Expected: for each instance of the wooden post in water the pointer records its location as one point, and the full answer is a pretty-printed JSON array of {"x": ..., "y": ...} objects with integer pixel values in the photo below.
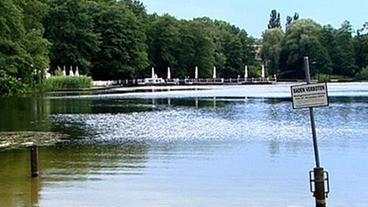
[{"x": 34, "y": 160}]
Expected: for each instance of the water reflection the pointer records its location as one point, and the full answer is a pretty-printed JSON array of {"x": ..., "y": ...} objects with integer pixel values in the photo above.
[
  {"x": 24, "y": 113},
  {"x": 89, "y": 162},
  {"x": 17, "y": 187},
  {"x": 172, "y": 149},
  {"x": 65, "y": 165},
  {"x": 215, "y": 118},
  {"x": 174, "y": 119}
]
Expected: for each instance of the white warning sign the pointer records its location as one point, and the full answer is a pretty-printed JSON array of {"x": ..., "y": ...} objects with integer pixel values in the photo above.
[{"x": 309, "y": 95}]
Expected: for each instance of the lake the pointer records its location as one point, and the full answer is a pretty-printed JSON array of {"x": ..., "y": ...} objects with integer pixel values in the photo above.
[{"x": 186, "y": 146}]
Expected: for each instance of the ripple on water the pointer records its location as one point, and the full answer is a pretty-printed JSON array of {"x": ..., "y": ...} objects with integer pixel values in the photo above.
[{"x": 240, "y": 121}]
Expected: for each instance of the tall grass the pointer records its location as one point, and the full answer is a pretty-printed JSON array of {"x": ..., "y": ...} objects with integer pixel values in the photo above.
[{"x": 67, "y": 83}]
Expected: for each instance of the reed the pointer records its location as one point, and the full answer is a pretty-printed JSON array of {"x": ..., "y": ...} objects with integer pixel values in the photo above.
[{"x": 67, "y": 83}]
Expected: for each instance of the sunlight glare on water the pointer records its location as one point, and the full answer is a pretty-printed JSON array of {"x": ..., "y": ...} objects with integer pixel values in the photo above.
[{"x": 217, "y": 146}]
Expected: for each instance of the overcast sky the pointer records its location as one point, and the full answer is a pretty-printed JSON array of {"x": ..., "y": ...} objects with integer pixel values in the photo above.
[{"x": 253, "y": 15}]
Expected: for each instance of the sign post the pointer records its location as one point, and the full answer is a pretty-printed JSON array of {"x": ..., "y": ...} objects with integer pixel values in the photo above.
[{"x": 309, "y": 96}]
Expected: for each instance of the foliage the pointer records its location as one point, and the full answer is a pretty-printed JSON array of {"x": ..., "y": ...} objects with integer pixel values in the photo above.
[
  {"x": 232, "y": 47},
  {"x": 163, "y": 42},
  {"x": 118, "y": 39},
  {"x": 10, "y": 85},
  {"x": 361, "y": 48},
  {"x": 66, "y": 83},
  {"x": 274, "y": 20},
  {"x": 70, "y": 27},
  {"x": 362, "y": 75},
  {"x": 323, "y": 77},
  {"x": 290, "y": 19},
  {"x": 203, "y": 42},
  {"x": 255, "y": 71},
  {"x": 23, "y": 50},
  {"x": 122, "y": 52},
  {"x": 303, "y": 39},
  {"x": 271, "y": 48},
  {"x": 344, "y": 54}
]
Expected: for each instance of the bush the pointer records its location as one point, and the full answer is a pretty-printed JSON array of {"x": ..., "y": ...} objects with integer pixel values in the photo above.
[
  {"x": 67, "y": 83},
  {"x": 362, "y": 75},
  {"x": 323, "y": 77},
  {"x": 254, "y": 71},
  {"x": 10, "y": 85}
]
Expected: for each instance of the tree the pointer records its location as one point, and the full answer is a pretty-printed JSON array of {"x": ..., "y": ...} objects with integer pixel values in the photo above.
[
  {"x": 233, "y": 51},
  {"x": 163, "y": 40},
  {"x": 271, "y": 48},
  {"x": 122, "y": 53},
  {"x": 23, "y": 50},
  {"x": 204, "y": 51},
  {"x": 195, "y": 48},
  {"x": 344, "y": 56},
  {"x": 296, "y": 16},
  {"x": 233, "y": 47},
  {"x": 274, "y": 20},
  {"x": 303, "y": 39},
  {"x": 70, "y": 28},
  {"x": 328, "y": 41},
  {"x": 361, "y": 47},
  {"x": 37, "y": 47},
  {"x": 13, "y": 57},
  {"x": 290, "y": 19},
  {"x": 248, "y": 51}
]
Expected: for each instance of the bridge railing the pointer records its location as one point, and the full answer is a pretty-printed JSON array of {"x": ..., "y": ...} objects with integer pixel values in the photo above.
[{"x": 186, "y": 81}]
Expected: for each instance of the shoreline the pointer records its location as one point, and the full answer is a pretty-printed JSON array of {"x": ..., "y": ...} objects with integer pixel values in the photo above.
[{"x": 279, "y": 90}]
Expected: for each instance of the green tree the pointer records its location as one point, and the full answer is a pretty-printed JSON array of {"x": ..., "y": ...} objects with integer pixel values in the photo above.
[
  {"x": 163, "y": 40},
  {"x": 232, "y": 49},
  {"x": 290, "y": 19},
  {"x": 344, "y": 56},
  {"x": 248, "y": 51},
  {"x": 303, "y": 39},
  {"x": 271, "y": 48},
  {"x": 23, "y": 50},
  {"x": 195, "y": 48},
  {"x": 13, "y": 56},
  {"x": 122, "y": 53},
  {"x": 274, "y": 20},
  {"x": 70, "y": 28},
  {"x": 361, "y": 50},
  {"x": 204, "y": 52},
  {"x": 37, "y": 47},
  {"x": 328, "y": 40}
]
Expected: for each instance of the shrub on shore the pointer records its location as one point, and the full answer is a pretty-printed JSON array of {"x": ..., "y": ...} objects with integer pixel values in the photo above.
[
  {"x": 67, "y": 83},
  {"x": 362, "y": 75},
  {"x": 10, "y": 85}
]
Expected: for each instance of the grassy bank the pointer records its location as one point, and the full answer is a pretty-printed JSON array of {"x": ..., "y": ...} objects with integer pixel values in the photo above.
[{"x": 58, "y": 83}]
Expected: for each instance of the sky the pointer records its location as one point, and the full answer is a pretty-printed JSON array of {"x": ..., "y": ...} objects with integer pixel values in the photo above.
[{"x": 253, "y": 16}]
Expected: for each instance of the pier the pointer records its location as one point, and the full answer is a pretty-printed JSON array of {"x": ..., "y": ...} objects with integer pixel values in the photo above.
[{"x": 188, "y": 81}]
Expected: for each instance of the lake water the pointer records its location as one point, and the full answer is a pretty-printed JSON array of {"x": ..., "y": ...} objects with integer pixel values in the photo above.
[{"x": 198, "y": 147}]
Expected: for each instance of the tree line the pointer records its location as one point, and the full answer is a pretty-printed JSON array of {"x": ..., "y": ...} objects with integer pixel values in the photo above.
[
  {"x": 111, "y": 39},
  {"x": 332, "y": 51}
]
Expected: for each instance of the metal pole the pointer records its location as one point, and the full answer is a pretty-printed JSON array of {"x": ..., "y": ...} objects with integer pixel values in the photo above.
[
  {"x": 319, "y": 180},
  {"x": 311, "y": 112},
  {"x": 34, "y": 160}
]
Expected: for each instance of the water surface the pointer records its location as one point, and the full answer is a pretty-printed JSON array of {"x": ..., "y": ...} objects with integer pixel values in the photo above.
[{"x": 178, "y": 148}]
